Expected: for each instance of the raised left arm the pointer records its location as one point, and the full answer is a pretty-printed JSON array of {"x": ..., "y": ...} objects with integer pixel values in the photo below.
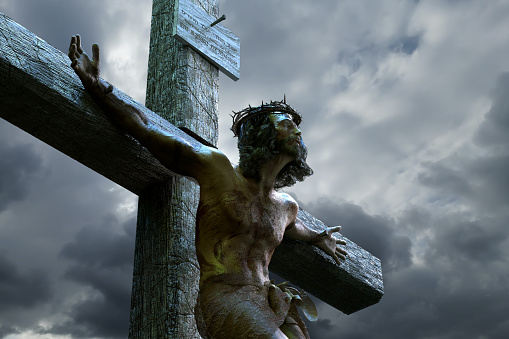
[{"x": 324, "y": 240}]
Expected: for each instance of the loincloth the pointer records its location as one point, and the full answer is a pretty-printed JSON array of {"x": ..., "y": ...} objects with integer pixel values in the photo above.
[{"x": 231, "y": 307}]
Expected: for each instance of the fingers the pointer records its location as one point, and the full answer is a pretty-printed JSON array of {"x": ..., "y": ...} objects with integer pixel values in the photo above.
[
  {"x": 335, "y": 229},
  {"x": 72, "y": 48},
  {"x": 335, "y": 257},
  {"x": 341, "y": 256},
  {"x": 96, "y": 54},
  {"x": 329, "y": 230},
  {"x": 340, "y": 242},
  {"x": 342, "y": 252},
  {"x": 78, "y": 43}
]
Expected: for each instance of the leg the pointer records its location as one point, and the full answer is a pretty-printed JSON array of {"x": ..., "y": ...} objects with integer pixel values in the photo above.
[
  {"x": 293, "y": 326},
  {"x": 233, "y": 312},
  {"x": 291, "y": 331}
]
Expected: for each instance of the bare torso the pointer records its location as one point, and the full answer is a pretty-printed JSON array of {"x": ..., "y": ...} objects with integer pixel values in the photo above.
[{"x": 238, "y": 227}]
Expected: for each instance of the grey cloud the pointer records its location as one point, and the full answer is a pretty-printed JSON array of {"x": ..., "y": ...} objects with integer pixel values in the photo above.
[
  {"x": 321, "y": 328},
  {"x": 444, "y": 178},
  {"x": 374, "y": 233},
  {"x": 102, "y": 259},
  {"x": 480, "y": 178},
  {"x": 426, "y": 302},
  {"x": 492, "y": 179},
  {"x": 77, "y": 19},
  {"x": 493, "y": 132},
  {"x": 406, "y": 44},
  {"x": 20, "y": 166},
  {"x": 464, "y": 240},
  {"x": 459, "y": 291},
  {"x": 21, "y": 289},
  {"x": 105, "y": 315},
  {"x": 458, "y": 288},
  {"x": 98, "y": 245},
  {"x": 482, "y": 181},
  {"x": 7, "y": 330}
]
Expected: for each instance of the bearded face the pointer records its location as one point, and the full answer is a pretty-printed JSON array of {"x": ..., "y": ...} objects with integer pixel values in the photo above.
[
  {"x": 288, "y": 136},
  {"x": 267, "y": 136},
  {"x": 293, "y": 146}
]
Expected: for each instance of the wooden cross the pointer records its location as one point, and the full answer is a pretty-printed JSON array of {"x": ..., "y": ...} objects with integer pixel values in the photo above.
[{"x": 40, "y": 94}]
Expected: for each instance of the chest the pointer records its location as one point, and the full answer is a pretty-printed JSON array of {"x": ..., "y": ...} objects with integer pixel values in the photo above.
[{"x": 258, "y": 217}]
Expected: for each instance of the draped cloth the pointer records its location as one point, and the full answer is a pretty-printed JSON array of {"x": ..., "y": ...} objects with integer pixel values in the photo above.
[{"x": 228, "y": 306}]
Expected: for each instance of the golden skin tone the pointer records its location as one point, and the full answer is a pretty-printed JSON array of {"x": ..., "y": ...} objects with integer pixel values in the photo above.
[{"x": 240, "y": 221}]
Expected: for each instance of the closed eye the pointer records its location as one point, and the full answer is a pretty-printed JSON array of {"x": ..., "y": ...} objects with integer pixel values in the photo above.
[{"x": 288, "y": 123}]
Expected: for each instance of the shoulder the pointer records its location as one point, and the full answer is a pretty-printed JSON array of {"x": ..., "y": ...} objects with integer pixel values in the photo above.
[
  {"x": 215, "y": 167},
  {"x": 287, "y": 198},
  {"x": 289, "y": 203},
  {"x": 185, "y": 156}
]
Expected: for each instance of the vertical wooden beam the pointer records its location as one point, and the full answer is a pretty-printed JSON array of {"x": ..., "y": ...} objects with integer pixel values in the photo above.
[{"x": 183, "y": 88}]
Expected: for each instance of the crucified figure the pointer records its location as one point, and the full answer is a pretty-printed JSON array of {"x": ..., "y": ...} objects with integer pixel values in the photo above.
[{"x": 241, "y": 216}]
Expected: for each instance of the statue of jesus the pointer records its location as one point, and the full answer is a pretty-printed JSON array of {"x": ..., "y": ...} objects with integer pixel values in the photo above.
[{"x": 241, "y": 217}]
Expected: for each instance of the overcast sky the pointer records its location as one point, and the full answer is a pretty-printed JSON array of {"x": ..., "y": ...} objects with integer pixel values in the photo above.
[{"x": 406, "y": 116}]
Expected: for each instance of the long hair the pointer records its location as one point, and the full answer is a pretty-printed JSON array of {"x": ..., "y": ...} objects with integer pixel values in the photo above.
[{"x": 257, "y": 145}]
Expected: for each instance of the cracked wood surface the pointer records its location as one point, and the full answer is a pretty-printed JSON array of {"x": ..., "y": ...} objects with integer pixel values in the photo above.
[{"x": 183, "y": 88}]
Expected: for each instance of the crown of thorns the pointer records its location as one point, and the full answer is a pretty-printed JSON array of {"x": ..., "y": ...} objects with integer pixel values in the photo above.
[{"x": 274, "y": 107}]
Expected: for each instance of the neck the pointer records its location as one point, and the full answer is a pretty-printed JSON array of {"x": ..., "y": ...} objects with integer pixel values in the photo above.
[{"x": 269, "y": 171}]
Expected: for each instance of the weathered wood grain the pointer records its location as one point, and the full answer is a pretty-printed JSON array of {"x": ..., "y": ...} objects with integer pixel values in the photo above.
[
  {"x": 183, "y": 88},
  {"x": 217, "y": 44}
]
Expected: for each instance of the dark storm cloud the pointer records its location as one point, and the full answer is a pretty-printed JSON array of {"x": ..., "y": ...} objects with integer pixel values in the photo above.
[
  {"x": 20, "y": 166},
  {"x": 78, "y": 18},
  {"x": 479, "y": 178},
  {"x": 424, "y": 303},
  {"x": 456, "y": 283},
  {"x": 6, "y": 330},
  {"x": 102, "y": 259},
  {"x": 374, "y": 233},
  {"x": 451, "y": 280},
  {"x": 445, "y": 262},
  {"x": 479, "y": 181},
  {"x": 21, "y": 289},
  {"x": 98, "y": 246},
  {"x": 460, "y": 291},
  {"x": 320, "y": 328}
]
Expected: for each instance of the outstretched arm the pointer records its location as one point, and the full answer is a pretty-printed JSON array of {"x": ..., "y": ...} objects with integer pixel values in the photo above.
[
  {"x": 125, "y": 116},
  {"x": 324, "y": 240},
  {"x": 173, "y": 152}
]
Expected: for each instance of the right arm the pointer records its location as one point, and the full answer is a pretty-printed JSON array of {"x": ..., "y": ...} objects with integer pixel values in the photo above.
[{"x": 173, "y": 152}]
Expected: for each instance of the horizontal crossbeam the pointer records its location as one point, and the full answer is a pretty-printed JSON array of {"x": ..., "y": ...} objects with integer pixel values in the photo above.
[{"x": 40, "y": 94}]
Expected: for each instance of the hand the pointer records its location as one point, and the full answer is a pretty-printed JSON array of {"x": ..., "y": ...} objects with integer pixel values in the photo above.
[
  {"x": 329, "y": 244},
  {"x": 87, "y": 70}
]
